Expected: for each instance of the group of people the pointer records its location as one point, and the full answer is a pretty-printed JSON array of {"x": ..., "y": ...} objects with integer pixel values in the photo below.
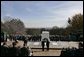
[
  {"x": 34, "y": 38},
  {"x": 45, "y": 42},
  {"x": 72, "y": 52},
  {"x": 14, "y": 50}
]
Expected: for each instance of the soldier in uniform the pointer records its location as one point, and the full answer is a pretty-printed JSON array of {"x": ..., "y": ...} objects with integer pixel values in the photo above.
[
  {"x": 47, "y": 43},
  {"x": 42, "y": 45}
]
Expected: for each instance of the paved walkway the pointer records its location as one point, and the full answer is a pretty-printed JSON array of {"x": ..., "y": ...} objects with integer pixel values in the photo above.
[{"x": 39, "y": 52}]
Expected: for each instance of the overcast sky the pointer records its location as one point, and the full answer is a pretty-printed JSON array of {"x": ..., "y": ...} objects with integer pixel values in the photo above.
[{"x": 38, "y": 14}]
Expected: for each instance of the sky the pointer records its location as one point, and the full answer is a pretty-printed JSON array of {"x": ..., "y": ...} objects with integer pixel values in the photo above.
[{"x": 41, "y": 14}]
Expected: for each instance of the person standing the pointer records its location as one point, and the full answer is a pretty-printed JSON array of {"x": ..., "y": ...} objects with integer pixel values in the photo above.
[
  {"x": 42, "y": 45},
  {"x": 25, "y": 41},
  {"x": 47, "y": 43},
  {"x": 24, "y": 51}
]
